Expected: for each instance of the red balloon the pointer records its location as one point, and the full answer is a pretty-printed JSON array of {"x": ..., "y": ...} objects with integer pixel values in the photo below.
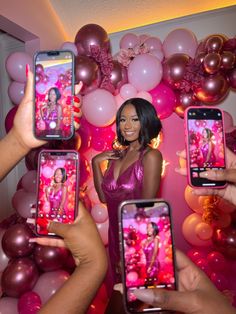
[
  {"x": 19, "y": 277},
  {"x": 231, "y": 76},
  {"x": 10, "y": 118},
  {"x": 224, "y": 240},
  {"x": 49, "y": 258},
  {"x": 27, "y": 300},
  {"x": 212, "y": 62},
  {"x": 15, "y": 241},
  {"x": 216, "y": 261},
  {"x": 212, "y": 89},
  {"x": 227, "y": 60},
  {"x": 91, "y": 35}
]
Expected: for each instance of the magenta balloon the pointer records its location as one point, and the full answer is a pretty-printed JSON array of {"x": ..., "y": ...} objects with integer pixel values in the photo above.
[
  {"x": 128, "y": 91},
  {"x": 180, "y": 40},
  {"x": 99, "y": 107},
  {"x": 8, "y": 305},
  {"x": 153, "y": 43},
  {"x": 91, "y": 35},
  {"x": 19, "y": 277},
  {"x": 48, "y": 284},
  {"x": 10, "y": 118},
  {"x": 16, "y": 64},
  {"x": 224, "y": 240},
  {"x": 216, "y": 261},
  {"x": 23, "y": 201},
  {"x": 29, "y": 181},
  {"x": 99, "y": 213},
  {"x": 69, "y": 46},
  {"x": 28, "y": 299},
  {"x": 164, "y": 100},
  {"x": 4, "y": 259},
  {"x": 129, "y": 40},
  {"x": 15, "y": 241},
  {"x": 16, "y": 91},
  {"x": 49, "y": 258},
  {"x": 144, "y": 72}
]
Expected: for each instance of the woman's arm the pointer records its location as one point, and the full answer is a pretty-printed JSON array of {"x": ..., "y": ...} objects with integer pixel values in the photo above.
[
  {"x": 59, "y": 115},
  {"x": 209, "y": 151},
  {"x": 155, "y": 251},
  {"x": 63, "y": 199},
  {"x": 152, "y": 162}
]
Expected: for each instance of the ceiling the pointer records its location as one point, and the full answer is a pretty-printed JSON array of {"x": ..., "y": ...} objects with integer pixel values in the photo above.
[{"x": 115, "y": 16}]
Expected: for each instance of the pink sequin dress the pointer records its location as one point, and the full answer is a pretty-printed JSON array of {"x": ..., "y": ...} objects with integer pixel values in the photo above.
[
  {"x": 55, "y": 199},
  {"x": 51, "y": 119},
  {"x": 148, "y": 251},
  {"x": 127, "y": 186},
  {"x": 205, "y": 150}
]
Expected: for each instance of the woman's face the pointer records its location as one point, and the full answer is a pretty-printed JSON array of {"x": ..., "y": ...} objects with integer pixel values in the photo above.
[
  {"x": 150, "y": 229},
  {"x": 205, "y": 134},
  {"x": 58, "y": 176},
  {"x": 52, "y": 96},
  {"x": 129, "y": 123}
]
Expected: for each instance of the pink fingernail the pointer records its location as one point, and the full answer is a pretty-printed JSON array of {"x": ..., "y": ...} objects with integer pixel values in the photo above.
[{"x": 27, "y": 68}]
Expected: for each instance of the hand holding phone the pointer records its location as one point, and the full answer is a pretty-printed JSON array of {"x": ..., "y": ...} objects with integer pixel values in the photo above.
[
  {"x": 57, "y": 188},
  {"x": 147, "y": 250},
  {"x": 54, "y": 88},
  {"x": 205, "y": 144}
]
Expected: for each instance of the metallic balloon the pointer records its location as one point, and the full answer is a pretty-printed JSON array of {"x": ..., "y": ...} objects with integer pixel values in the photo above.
[
  {"x": 224, "y": 240},
  {"x": 212, "y": 62},
  {"x": 227, "y": 60}
]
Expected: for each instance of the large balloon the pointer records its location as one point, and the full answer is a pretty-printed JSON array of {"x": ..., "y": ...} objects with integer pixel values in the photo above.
[
  {"x": 10, "y": 118},
  {"x": 145, "y": 72},
  {"x": 86, "y": 70},
  {"x": 29, "y": 303},
  {"x": 129, "y": 40},
  {"x": 15, "y": 241},
  {"x": 29, "y": 181},
  {"x": 16, "y": 65},
  {"x": 48, "y": 284},
  {"x": 99, "y": 107},
  {"x": 19, "y": 277},
  {"x": 3, "y": 257},
  {"x": 180, "y": 40},
  {"x": 8, "y": 306},
  {"x": 212, "y": 62},
  {"x": 231, "y": 75},
  {"x": 91, "y": 35},
  {"x": 16, "y": 92},
  {"x": 23, "y": 201}
]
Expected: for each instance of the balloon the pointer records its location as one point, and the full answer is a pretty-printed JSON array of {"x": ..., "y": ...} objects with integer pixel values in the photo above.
[
  {"x": 16, "y": 91},
  {"x": 144, "y": 72},
  {"x": 129, "y": 40},
  {"x": 31, "y": 159},
  {"x": 8, "y": 305},
  {"x": 132, "y": 276},
  {"x": 174, "y": 69},
  {"x": 217, "y": 261},
  {"x": 153, "y": 43},
  {"x": 99, "y": 107},
  {"x": 143, "y": 37},
  {"x": 103, "y": 231},
  {"x": 145, "y": 95},
  {"x": 193, "y": 200},
  {"x": 10, "y": 118},
  {"x": 116, "y": 73},
  {"x": 23, "y": 201},
  {"x": 29, "y": 181},
  {"x": 19, "y": 277},
  {"x": 219, "y": 281},
  {"x": 163, "y": 99},
  {"x": 231, "y": 75},
  {"x": 15, "y": 241},
  {"x": 227, "y": 60},
  {"x": 185, "y": 100},
  {"x": 16, "y": 65},
  {"x": 124, "y": 79},
  {"x": 3, "y": 257},
  {"x": 86, "y": 70},
  {"x": 158, "y": 54},
  {"x": 224, "y": 240},
  {"x": 48, "y": 283},
  {"x": 84, "y": 170},
  {"x": 180, "y": 40},
  {"x": 212, "y": 62},
  {"x": 128, "y": 91},
  {"x": 203, "y": 265},
  {"x": 214, "y": 43},
  {"x": 196, "y": 254},
  {"x": 69, "y": 46},
  {"x": 228, "y": 120},
  {"x": 225, "y": 206},
  {"x": 99, "y": 213},
  {"x": 204, "y": 231},
  {"x": 91, "y": 35},
  {"x": 49, "y": 258},
  {"x": 27, "y": 301},
  {"x": 212, "y": 89}
]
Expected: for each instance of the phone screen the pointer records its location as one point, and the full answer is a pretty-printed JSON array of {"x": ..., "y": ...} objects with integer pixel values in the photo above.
[
  {"x": 57, "y": 188},
  {"x": 147, "y": 250},
  {"x": 205, "y": 144},
  {"x": 53, "y": 90}
]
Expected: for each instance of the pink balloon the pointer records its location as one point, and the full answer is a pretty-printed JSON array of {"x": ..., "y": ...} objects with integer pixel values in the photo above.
[
  {"x": 3, "y": 257},
  {"x": 180, "y": 40},
  {"x": 132, "y": 276},
  {"x": 164, "y": 100},
  {"x": 145, "y": 72},
  {"x": 93, "y": 196},
  {"x": 228, "y": 120},
  {"x": 99, "y": 213},
  {"x": 128, "y": 91},
  {"x": 129, "y": 40},
  {"x": 143, "y": 37},
  {"x": 119, "y": 100},
  {"x": 103, "y": 231},
  {"x": 10, "y": 118},
  {"x": 23, "y": 201},
  {"x": 99, "y": 107},
  {"x": 217, "y": 261},
  {"x": 47, "y": 172},
  {"x": 8, "y": 305},
  {"x": 48, "y": 283},
  {"x": 145, "y": 95},
  {"x": 16, "y": 91},
  {"x": 29, "y": 181},
  {"x": 69, "y": 46},
  {"x": 153, "y": 43},
  {"x": 159, "y": 54},
  {"x": 16, "y": 64}
]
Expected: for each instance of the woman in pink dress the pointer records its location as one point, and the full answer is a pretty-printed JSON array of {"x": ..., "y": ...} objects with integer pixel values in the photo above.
[
  {"x": 207, "y": 148},
  {"x": 133, "y": 173}
]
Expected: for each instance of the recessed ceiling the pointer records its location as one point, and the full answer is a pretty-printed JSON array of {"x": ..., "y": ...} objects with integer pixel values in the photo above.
[{"x": 115, "y": 16}]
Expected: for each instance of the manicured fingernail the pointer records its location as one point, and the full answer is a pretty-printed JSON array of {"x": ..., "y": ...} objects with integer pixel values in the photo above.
[
  {"x": 76, "y": 109},
  {"x": 77, "y": 119},
  {"x": 76, "y": 99},
  {"x": 27, "y": 68},
  {"x": 145, "y": 295}
]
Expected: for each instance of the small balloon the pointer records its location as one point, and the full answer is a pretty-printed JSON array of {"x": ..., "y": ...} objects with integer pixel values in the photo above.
[
  {"x": 10, "y": 118},
  {"x": 16, "y": 64},
  {"x": 16, "y": 92}
]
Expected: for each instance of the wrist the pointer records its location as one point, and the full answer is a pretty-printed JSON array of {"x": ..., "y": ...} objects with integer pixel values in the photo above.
[{"x": 14, "y": 140}]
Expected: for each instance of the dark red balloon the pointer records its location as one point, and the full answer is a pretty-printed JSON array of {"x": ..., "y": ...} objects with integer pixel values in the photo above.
[
  {"x": 212, "y": 62},
  {"x": 116, "y": 73},
  {"x": 183, "y": 101},
  {"x": 214, "y": 43},
  {"x": 199, "y": 58},
  {"x": 224, "y": 240},
  {"x": 49, "y": 258},
  {"x": 231, "y": 76},
  {"x": 27, "y": 300},
  {"x": 10, "y": 118},
  {"x": 212, "y": 89},
  {"x": 227, "y": 60},
  {"x": 86, "y": 70},
  {"x": 91, "y": 35},
  {"x": 174, "y": 69},
  {"x": 19, "y": 277},
  {"x": 15, "y": 242}
]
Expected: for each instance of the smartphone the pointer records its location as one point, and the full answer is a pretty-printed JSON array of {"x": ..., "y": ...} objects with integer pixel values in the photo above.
[
  {"x": 53, "y": 91},
  {"x": 147, "y": 250},
  {"x": 205, "y": 144},
  {"x": 57, "y": 197}
]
